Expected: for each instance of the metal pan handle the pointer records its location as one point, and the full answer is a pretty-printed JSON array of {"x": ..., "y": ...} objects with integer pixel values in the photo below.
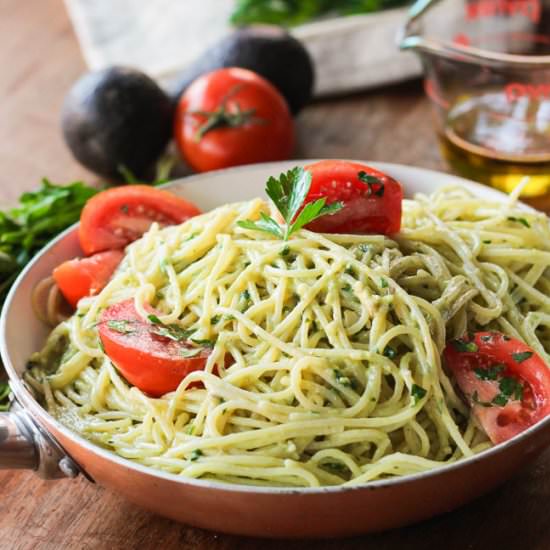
[{"x": 23, "y": 445}]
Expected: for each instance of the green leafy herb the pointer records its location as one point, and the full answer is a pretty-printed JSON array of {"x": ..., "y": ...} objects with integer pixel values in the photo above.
[
  {"x": 39, "y": 217},
  {"x": 215, "y": 320},
  {"x": 490, "y": 373},
  {"x": 288, "y": 194},
  {"x": 196, "y": 454},
  {"x": 417, "y": 392},
  {"x": 487, "y": 241},
  {"x": 510, "y": 386},
  {"x": 383, "y": 283},
  {"x": 172, "y": 331},
  {"x": 522, "y": 356},
  {"x": 285, "y": 251},
  {"x": 4, "y": 396},
  {"x": 375, "y": 185},
  {"x": 341, "y": 378},
  {"x": 124, "y": 327},
  {"x": 462, "y": 346},
  {"x": 523, "y": 221},
  {"x": 205, "y": 343}
]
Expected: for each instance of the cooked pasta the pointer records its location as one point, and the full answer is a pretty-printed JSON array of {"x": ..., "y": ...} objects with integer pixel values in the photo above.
[{"x": 326, "y": 360}]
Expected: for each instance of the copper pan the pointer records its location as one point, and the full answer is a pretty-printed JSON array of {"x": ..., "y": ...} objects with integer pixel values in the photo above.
[{"x": 30, "y": 438}]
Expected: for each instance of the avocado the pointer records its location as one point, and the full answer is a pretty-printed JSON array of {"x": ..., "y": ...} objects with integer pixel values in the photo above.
[
  {"x": 269, "y": 51},
  {"x": 116, "y": 119}
]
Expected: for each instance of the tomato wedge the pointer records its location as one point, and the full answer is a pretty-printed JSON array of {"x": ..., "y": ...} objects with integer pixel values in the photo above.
[
  {"x": 372, "y": 200},
  {"x": 115, "y": 217},
  {"x": 86, "y": 276},
  {"x": 505, "y": 382},
  {"x": 151, "y": 356}
]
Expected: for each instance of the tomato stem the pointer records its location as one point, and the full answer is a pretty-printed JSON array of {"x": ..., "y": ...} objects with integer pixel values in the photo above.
[{"x": 222, "y": 117}]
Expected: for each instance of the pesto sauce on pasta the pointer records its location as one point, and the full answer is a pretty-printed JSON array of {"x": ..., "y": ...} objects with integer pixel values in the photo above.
[{"x": 335, "y": 343}]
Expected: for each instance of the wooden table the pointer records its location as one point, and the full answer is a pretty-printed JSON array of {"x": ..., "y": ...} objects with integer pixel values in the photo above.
[{"x": 39, "y": 58}]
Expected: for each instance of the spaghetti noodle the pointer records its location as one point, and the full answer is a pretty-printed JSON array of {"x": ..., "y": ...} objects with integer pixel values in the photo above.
[{"x": 334, "y": 342}]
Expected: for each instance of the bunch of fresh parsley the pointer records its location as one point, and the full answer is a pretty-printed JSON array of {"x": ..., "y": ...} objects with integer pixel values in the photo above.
[
  {"x": 25, "y": 229},
  {"x": 39, "y": 217},
  {"x": 296, "y": 12},
  {"x": 288, "y": 194}
]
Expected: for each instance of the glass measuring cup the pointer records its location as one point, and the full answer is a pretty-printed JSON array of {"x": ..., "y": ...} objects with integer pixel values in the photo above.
[{"x": 487, "y": 72}]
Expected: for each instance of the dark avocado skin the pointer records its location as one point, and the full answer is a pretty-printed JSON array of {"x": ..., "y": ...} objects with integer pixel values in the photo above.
[
  {"x": 117, "y": 116},
  {"x": 267, "y": 50}
]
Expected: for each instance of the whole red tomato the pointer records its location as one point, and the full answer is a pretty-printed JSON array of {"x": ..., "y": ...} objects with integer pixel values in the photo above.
[{"x": 230, "y": 117}]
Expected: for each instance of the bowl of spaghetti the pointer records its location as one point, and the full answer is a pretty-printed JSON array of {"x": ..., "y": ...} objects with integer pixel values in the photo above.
[{"x": 332, "y": 384}]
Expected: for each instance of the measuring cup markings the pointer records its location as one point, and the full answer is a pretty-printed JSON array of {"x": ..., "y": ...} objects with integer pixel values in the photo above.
[
  {"x": 516, "y": 90},
  {"x": 491, "y": 8}
]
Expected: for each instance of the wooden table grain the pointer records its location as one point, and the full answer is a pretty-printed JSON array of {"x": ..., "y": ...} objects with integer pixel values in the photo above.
[{"x": 39, "y": 59}]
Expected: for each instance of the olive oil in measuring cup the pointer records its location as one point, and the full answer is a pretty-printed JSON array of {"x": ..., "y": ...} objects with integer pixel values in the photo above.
[{"x": 499, "y": 136}]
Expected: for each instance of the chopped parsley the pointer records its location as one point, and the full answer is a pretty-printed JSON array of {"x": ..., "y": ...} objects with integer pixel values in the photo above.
[
  {"x": 341, "y": 378},
  {"x": 490, "y": 373},
  {"x": 418, "y": 392},
  {"x": 522, "y": 356},
  {"x": 123, "y": 326},
  {"x": 171, "y": 331},
  {"x": 285, "y": 251},
  {"x": 215, "y": 320},
  {"x": 462, "y": 346},
  {"x": 196, "y": 454},
  {"x": 375, "y": 185},
  {"x": 523, "y": 221},
  {"x": 335, "y": 467},
  {"x": 383, "y": 283},
  {"x": 205, "y": 343}
]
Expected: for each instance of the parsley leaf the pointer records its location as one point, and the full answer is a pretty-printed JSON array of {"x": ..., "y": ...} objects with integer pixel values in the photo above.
[
  {"x": 376, "y": 185},
  {"x": 417, "y": 392},
  {"x": 171, "y": 331},
  {"x": 521, "y": 356},
  {"x": 196, "y": 454},
  {"x": 462, "y": 346},
  {"x": 205, "y": 343},
  {"x": 123, "y": 326},
  {"x": 288, "y": 194},
  {"x": 523, "y": 221},
  {"x": 490, "y": 373}
]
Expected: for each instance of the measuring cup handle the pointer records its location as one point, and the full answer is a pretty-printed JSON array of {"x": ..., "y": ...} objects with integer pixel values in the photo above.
[{"x": 24, "y": 446}]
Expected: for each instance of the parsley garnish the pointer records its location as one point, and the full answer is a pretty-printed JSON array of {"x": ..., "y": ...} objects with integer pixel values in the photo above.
[
  {"x": 383, "y": 283},
  {"x": 214, "y": 320},
  {"x": 341, "y": 378},
  {"x": 196, "y": 454},
  {"x": 418, "y": 392},
  {"x": 462, "y": 346},
  {"x": 205, "y": 343},
  {"x": 490, "y": 373},
  {"x": 285, "y": 251},
  {"x": 171, "y": 331},
  {"x": 124, "y": 327},
  {"x": 521, "y": 356},
  {"x": 288, "y": 193},
  {"x": 523, "y": 221},
  {"x": 376, "y": 185}
]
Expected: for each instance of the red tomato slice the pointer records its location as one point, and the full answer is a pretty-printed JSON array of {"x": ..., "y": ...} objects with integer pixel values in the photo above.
[
  {"x": 505, "y": 382},
  {"x": 153, "y": 357},
  {"x": 87, "y": 276},
  {"x": 368, "y": 208},
  {"x": 115, "y": 217}
]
